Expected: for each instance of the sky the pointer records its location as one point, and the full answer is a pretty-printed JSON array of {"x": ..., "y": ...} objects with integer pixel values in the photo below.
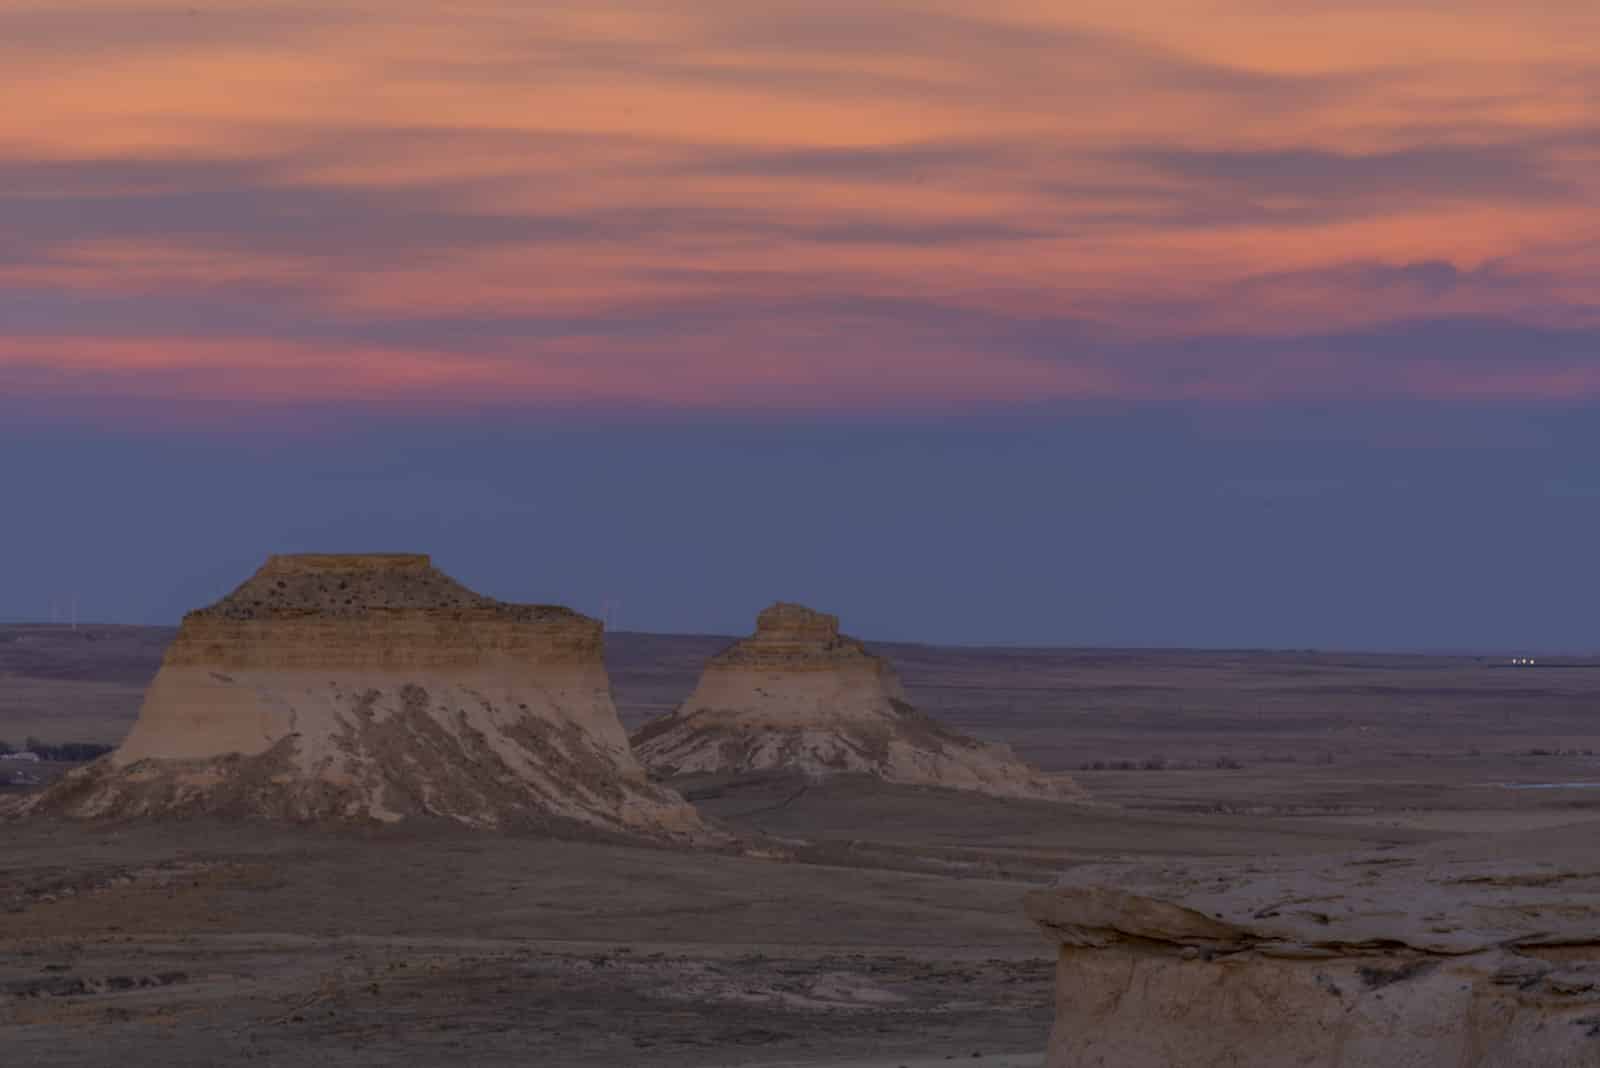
[{"x": 1189, "y": 322}]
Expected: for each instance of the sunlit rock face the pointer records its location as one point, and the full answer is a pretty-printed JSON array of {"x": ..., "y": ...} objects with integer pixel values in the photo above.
[
  {"x": 1465, "y": 958},
  {"x": 799, "y": 696},
  {"x": 375, "y": 687}
]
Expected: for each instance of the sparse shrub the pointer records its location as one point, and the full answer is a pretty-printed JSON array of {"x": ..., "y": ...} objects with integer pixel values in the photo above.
[
  {"x": 1155, "y": 764},
  {"x": 1227, "y": 763},
  {"x": 1373, "y": 978}
]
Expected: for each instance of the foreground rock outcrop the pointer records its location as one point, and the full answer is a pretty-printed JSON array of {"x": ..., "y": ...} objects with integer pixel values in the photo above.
[
  {"x": 1465, "y": 958},
  {"x": 800, "y": 696},
  {"x": 335, "y": 688}
]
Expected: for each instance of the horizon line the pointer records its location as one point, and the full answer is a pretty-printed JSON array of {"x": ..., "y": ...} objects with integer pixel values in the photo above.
[{"x": 992, "y": 646}]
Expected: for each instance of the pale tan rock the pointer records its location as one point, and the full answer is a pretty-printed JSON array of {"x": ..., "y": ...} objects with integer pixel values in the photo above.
[
  {"x": 377, "y": 688},
  {"x": 1484, "y": 955},
  {"x": 800, "y": 696}
]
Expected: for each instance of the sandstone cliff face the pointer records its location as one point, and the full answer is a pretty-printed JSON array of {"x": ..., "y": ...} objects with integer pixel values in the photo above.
[
  {"x": 1463, "y": 958},
  {"x": 800, "y": 696},
  {"x": 378, "y": 688}
]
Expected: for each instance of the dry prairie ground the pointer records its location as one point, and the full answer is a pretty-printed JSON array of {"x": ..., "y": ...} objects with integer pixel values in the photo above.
[
  {"x": 890, "y": 933},
  {"x": 64, "y": 684},
  {"x": 1061, "y": 708},
  {"x": 894, "y": 935}
]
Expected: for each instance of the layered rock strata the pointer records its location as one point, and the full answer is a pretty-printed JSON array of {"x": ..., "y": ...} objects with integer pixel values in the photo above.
[
  {"x": 800, "y": 696},
  {"x": 375, "y": 687},
  {"x": 1469, "y": 959}
]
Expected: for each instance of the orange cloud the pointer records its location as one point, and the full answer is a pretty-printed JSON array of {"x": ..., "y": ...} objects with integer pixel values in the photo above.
[{"x": 645, "y": 203}]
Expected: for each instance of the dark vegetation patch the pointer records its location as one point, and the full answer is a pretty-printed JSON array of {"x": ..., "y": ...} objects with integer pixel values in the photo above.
[
  {"x": 65, "y": 753},
  {"x": 1375, "y": 978},
  {"x": 1159, "y": 763},
  {"x": 66, "y": 986}
]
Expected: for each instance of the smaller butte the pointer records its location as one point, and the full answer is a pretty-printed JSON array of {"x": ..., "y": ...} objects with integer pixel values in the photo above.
[
  {"x": 339, "y": 688},
  {"x": 799, "y": 696}
]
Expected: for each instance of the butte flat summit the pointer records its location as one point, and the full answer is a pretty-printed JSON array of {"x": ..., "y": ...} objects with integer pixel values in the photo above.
[
  {"x": 376, "y": 688},
  {"x": 798, "y": 696}
]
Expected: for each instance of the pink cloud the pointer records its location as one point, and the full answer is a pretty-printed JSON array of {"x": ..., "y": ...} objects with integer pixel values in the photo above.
[{"x": 807, "y": 207}]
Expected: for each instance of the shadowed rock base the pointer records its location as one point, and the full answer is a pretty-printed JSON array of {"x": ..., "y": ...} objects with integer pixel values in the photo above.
[{"x": 1380, "y": 961}]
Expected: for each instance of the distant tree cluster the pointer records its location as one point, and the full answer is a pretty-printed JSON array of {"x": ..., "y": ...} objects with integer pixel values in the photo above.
[
  {"x": 1157, "y": 763},
  {"x": 65, "y": 753}
]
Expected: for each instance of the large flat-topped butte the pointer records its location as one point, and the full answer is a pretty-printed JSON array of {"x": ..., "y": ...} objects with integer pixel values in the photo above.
[
  {"x": 800, "y": 696},
  {"x": 376, "y": 687}
]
